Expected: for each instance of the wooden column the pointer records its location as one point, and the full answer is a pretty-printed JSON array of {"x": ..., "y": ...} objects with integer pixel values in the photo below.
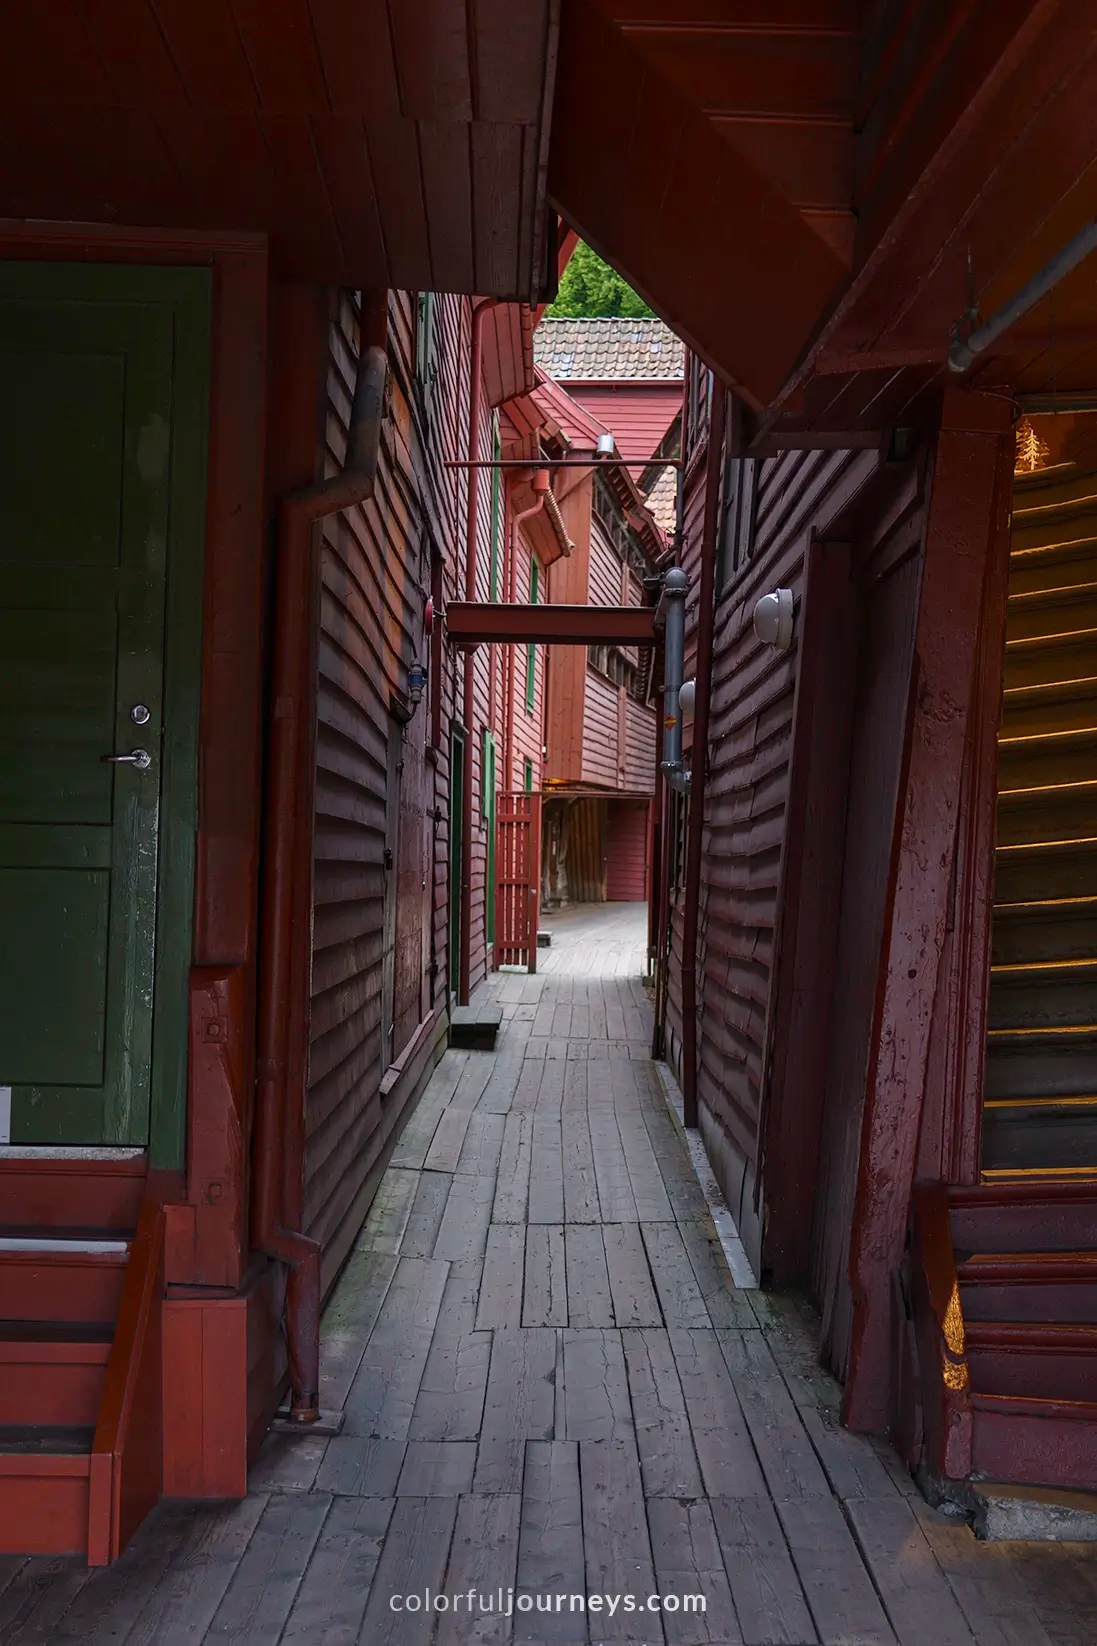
[{"x": 966, "y": 537}]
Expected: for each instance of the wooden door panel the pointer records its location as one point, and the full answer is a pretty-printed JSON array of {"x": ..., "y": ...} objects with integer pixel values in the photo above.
[{"x": 85, "y": 423}]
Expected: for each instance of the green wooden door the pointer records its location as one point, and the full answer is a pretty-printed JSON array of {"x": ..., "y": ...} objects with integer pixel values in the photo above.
[{"x": 88, "y": 375}]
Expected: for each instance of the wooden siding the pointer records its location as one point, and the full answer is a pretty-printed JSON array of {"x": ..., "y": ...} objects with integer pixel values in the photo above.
[
  {"x": 605, "y": 569},
  {"x": 638, "y": 417},
  {"x": 747, "y": 816},
  {"x": 600, "y": 732},
  {"x": 381, "y": 854},
  {"x": 640, "y": 734}
]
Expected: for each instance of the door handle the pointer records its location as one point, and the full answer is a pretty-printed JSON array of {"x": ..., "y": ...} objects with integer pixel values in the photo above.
[{"x": 141, "y": 758}]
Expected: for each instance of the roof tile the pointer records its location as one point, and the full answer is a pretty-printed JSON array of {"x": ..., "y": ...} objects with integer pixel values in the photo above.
[{"x": 604, "y": 351}]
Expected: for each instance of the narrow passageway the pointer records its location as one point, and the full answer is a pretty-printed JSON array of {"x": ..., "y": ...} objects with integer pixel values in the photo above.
[{"x": 551, "y": 1387}]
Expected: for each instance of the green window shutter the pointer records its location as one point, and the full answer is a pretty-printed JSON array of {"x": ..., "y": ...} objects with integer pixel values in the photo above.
[
  {"x": 531, "y": 651},
  {"x": 529, "y": 776}
]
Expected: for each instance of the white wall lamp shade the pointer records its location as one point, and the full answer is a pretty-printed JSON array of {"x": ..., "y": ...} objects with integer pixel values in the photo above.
[
  {"x": 687, "y": 692},
  {"x": 773, "y": 619}
]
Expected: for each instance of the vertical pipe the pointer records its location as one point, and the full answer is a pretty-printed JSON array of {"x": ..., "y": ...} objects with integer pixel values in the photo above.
[
  {"x": 468, "y": 712},
  {"x": 706, "y": 617}
]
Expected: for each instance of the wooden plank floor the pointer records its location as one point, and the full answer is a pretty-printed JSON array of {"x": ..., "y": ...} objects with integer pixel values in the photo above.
[{"x": 551, "y": 1386}]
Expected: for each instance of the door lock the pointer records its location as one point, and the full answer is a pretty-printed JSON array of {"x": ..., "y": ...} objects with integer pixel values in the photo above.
[{"x": 139, "y": 714}]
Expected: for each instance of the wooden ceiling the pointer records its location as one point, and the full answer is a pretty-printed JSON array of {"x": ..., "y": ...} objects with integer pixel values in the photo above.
[
  {"x": 397, "y": 143},
  {"x": 797, "y": 186}
]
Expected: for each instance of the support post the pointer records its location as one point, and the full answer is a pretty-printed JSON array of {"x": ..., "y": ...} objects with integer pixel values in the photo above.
[{"x": 967, "y": 531}]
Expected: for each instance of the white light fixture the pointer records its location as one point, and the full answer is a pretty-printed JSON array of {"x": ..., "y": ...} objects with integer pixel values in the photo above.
[
  {"x": 605, "y": 446},
  {"x": 687, "y": 692},
  {"x": 773, "y": 619}
]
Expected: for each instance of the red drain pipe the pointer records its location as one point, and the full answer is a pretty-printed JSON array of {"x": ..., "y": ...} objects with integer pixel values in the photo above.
[
  {"x": 540, "y": 483},
  {"x": 279, "y": 1136},
  {"x": 706, "y": 622},
  {"x": 468, "y": 712}
]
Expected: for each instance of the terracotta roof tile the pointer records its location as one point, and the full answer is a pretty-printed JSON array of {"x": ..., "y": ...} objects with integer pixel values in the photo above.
[
  {"x": 605, "y": 351},
  {"x": 662, "y": 500}
]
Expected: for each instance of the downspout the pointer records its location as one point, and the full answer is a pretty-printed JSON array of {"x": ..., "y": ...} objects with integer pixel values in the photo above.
[
  {"x": 540, "y": 483},
  {"x": 278, "y": 1138},
  {"x": 468, "y": 712},
  {"x": 706, "y": 621}
]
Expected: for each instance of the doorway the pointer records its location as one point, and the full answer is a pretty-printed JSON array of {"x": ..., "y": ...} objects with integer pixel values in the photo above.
[{"x": 102, "y": 472}]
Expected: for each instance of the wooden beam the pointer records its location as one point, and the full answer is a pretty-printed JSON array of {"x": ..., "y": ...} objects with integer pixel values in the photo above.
[
  {"x": 711, "y": 243},
  {"x": 473, "y": 622},
  {"x": 967, "y": 529}
]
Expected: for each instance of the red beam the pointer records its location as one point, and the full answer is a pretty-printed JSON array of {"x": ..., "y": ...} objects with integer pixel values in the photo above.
[{"x": 473, "y": 622}]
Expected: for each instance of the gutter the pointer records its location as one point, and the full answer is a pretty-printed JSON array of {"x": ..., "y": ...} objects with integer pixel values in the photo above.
[{"x": 278, "y": 1142}]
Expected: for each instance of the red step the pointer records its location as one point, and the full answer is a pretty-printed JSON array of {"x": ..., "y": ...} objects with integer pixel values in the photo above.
[
  {"x": 1021, "y": 1360},
  {"x": 67, "y": 1281},
  {"x": 1048, "y": 1287},
  {"x": 1030, "y": 1216},
  {"x": 45, "y": 1497},
  {"x": 52, "y": 1376},
  {"x": 1035, "y": 1442},
  {"x": 44, "y": 1192}
]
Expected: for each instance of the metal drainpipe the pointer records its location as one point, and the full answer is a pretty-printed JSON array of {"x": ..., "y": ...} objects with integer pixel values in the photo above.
[
  {"x": 278, "y": 1137},
  {"x": 540, "y": 484},
  {"x": 468, "y": 712},
  {"x": 706, "y": 617},
  {"x": 962, "y": 354}
]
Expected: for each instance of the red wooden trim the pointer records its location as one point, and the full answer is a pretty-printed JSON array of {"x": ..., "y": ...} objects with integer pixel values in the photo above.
[
  {"x": 471, "y": 622},
  {"x": 128, "y": 1433},
  {"x": 961, "y": 535},
  {"x": 207, "y": 1239},
  {"x": 950, "y": 1142},
  {"x": 14, "y": 1465},
  {"x": 940, "y": 1336}
]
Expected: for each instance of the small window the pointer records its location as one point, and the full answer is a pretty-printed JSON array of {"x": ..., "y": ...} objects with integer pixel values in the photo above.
[
  {"x": 531, "y": 651},
  {"x": 737, "y": 509},
  {"x": 698, "y": 400},
  {"x": 529, "y": 775},
  {"x": 487, "y": 773},
  {"x": 426, "y": 370}
]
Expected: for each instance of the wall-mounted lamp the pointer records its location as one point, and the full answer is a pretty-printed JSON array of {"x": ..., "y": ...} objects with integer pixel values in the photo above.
[
  {"x": 687, "y": 693},
  {"x": 773, "y": 616},
  {"x": 417, "y": 682},
  {"x": 606, "y": 445}
]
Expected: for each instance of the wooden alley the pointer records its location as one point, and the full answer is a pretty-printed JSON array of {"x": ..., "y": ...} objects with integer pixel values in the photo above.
[{"x": 550, "y": 1385}]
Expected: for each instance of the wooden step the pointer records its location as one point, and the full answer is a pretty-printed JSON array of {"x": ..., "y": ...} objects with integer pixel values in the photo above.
[
  {"x": 1045, "y": 1288},
  {"x": 45, "y": 1485},
  {"x": 1035, "y": 1442},
  {"x": 1045, "y": 1135},
  {"x": 52, "y": 1374},
  {"x": 63, "y": 1279},
  {"x": 1016, "y": 1358},
  {"x": 41, "y": 1190},
  {"x": 1024, "y": 1217}
]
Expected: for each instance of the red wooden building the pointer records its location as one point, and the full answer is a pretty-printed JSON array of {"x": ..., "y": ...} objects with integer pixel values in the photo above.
[{"x": 226, "y": 501}]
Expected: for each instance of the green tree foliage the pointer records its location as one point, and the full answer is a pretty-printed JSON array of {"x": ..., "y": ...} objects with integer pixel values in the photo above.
[{"x": 591, "y": 290}]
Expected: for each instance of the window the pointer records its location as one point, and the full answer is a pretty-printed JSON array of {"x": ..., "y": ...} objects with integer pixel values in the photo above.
[
  {"x": 531, "y": 651},
  {"x": 698, "y": 400},
  {"x": 529, "y": 775},
  {"x": 677, "y": 812},
  {"x": 426, "y": 369},
  {"x": 737, "y": 508}
]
